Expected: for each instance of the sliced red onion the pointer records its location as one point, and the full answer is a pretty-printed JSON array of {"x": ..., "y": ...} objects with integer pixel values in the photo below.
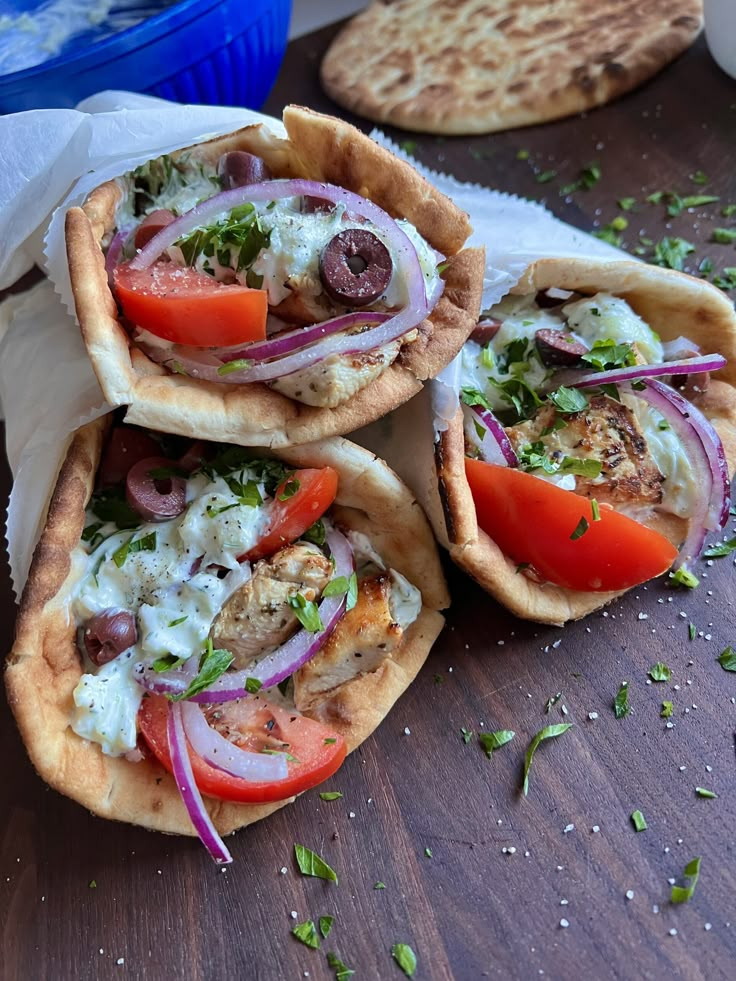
[
  {"x": 708, "y": 362},
  {"x": 190, "y": 795},
  {"x": 706, "y": 455},
  {"x": 494, "y": 445},
  {"x": 680, "y": 348},
  {"x": 114, "y": 253},
  {"x": 208, "y": 743},
  {"x": 407, "y": 263}
]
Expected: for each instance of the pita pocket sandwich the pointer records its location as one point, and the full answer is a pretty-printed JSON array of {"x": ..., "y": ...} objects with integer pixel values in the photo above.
[
  {"x": 207, "y": 631},
  {"x": 596, "y": 435},
  {"x": 271, "y": 291}
]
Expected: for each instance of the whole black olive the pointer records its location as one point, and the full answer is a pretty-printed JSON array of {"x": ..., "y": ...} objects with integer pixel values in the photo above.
[
  {"x": 108, "y": 634},
  {"x": 238, "y": 168},
  {"x": 355, "y": 267}
]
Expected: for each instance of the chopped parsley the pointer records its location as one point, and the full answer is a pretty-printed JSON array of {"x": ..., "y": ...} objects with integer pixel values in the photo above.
[
  {"x": 666, "y": 712},
  {"x": 549, "y": 732},
  {"x": 727, "y": 659},
  {"x": 167, "y": 662},
  {"x": 380, "y": 885},
  {"x": 310, "y": 863},
  {"x": 704, "y": 792},
  {"x": 466, "y": 735},
  {"x": 472, "y": 396},
  {"x": 607, "y": 233},
  {"x": 727, "y": 279},
  {"x": 552, "y": 701},
  {"x": 315, "y": 533},
  {"x": 721, "y": 550},
  {"x": 405, "y": 958},
  {"x": 639, "y": 821},
  {"x": 569, "y": 400},
  {"x": 728, "y": 210},
  {"x": 235, "y": 242},
  {"x": 660, "y": 672},
  {"x": 545, "y": 176},
  {"x": 605, "y": 355},
  {"x": 621, "y": 706},
  {"x": 341, "y": 585},
  {"x": 253, "y": 685},
  {"x": 237, "y": 364},
  {"x": 491, "y": 741},
  {"x": 342, "y": 973},
  {"x": 129, "y": 547},
  {"x": 681, "y": 894},
  {"x": 698, "y": 177},
  {"x": 212, "y": 663},
  {"x": 587, "y": 178},
  {"x": 626, "y": 204},
  {"x": 248, "y": 493},
  {"x": 595, "y": 509},
  {"x": 325, "y": 925},
  {"x": 175, "y": 623},
  {"x": 428, "y": 852},
  {"x": 307, "y": 933},
  {"x": 289, "y": 489},
  {"x": 330, "y": 795},
  {"x": 724, "y": 236},
  {"x": 671, "y": 252},
  {"x": 91, "y": 534},
  {"x": 582, "y": 526},
  {"x": 691, "y": 631},
  {"x": 307, "y": 613}
]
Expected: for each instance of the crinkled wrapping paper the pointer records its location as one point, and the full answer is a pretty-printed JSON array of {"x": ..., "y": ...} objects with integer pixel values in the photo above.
[{"x": 51, "y": 160}]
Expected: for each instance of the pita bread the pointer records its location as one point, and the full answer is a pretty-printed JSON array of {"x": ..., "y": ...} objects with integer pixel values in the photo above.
[
  {"x": 319, "y": 148},
  {"x": 44, "y": 665},
  {"x": 674, "y": 305},
  {"x": 479, "y": 66}
]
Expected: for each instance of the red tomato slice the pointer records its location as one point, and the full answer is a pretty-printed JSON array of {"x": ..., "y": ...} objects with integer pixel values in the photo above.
[
  {"x": 318, "y": 751},
  {"x": 291, "y": 517},
  {"x": 532, "y": 521},
  {"x": 189, "y": 307}
]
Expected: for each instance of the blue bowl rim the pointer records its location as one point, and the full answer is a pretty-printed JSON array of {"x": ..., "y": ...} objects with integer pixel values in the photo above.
[{"x": 179, "y": 13}]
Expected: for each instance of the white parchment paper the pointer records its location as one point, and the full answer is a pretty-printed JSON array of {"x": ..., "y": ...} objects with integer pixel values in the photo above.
[{"x": 50, "y": 160}]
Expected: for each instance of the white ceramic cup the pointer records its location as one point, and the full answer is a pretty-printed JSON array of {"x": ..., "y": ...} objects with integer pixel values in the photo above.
[{"x": 720, "y": 33}]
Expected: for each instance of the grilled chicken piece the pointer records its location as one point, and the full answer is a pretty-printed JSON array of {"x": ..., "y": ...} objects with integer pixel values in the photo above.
[
  {"x": 257, "y": 618},
  {"x": 338, "y": 377},
  {"x": 606, "y": 431},
  {"x": 361, "y": 641}
]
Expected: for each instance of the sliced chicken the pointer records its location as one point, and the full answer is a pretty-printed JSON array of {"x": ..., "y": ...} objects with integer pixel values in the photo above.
[
  {"x": 338, "y": 377},
  {"x": 361, "y": 641},
  {"x": 257, "y": 618},
  {"x": 607, "y": 431}
]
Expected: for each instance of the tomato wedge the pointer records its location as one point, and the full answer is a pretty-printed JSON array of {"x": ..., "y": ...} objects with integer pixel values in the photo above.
[
  {"x": 298, "y": 502},
  {"x": 254, "y": 725},
  {"x": 533, "y": 521},
  {"x": 185, "y": 306}
]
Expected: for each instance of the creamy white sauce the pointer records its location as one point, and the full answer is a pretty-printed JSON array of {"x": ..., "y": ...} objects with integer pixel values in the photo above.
[
  {"x": 405, "y": 600},
  {"x": 604, "y": 317}
]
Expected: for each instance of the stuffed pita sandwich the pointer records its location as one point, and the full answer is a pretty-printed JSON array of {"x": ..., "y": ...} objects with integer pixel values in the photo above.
[
  {"x": 271, "y": 291},
  {"x": 596, "y": 435},
  {"x": 237, "y": 620}
]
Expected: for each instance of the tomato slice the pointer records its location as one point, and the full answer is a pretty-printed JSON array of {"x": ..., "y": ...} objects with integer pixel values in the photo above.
[
  {"x": 185, "y": 306},
  {"x": 291, "y": 516},
  {"x": 533, "y": 521},
  {"x": 255, "y": 725}
]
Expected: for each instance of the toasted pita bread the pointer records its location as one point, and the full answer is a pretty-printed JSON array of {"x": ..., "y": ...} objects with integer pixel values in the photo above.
[
  {"x": 44, "y": 665},
  {"x": 673, "y": 304},
  {"x": 319, "y": 148},
  {"x": 478, "y": 66}
]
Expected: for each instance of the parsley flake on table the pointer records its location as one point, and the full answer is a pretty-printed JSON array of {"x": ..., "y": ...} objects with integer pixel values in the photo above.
[
  {"x": 380, "y": 885},
  {"x": 342, "y": 972},
  {"x": 621, "y": 706},
  {"x": 639, "y": 821},
  {"x": 727, "y": 659},
  {"x": 724, "y": 236},
  {"x": 428, "y": 852},
  {"x": 681, "y": 894},
  {"x": 704, "y": 792},
  {"x": 666, "y": 712},
  {"x": 626, "y": 204},
  {"x": 549, "y": 732},
  {"x": 545, "y": 176},
  {"x": 671, "y": 252},
  {"x": 330, "y": 795},
  {"x": 698, "y": 177},
  {"x": 325, "y": 925},
  {"x": 310, "y": 863},
  {"x": 491, "y": 741},
  {"x": 307, "y": 933},
  {"x": 405, "y": 958},
  {"x": 466, "y": 735},
  {"x": 660, "y": 672},
  {"x": 552, "y": 701},
  {"x": 692, "y": 631},
  {"x": 587, "y": 178},
  {"x": 721, "y": 550}
]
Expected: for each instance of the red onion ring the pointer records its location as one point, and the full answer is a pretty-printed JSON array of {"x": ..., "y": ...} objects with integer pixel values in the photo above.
[
  {"x": 707, "y": 457},
  {"x": 114, "y": 253},
  {"x": 708, "y": 362},
  {"x": 187, "y": 787},
  {"x": 494, "y": 445},
  {"x": 407, "y": 260},
  {"x": 221, "y": 753}
]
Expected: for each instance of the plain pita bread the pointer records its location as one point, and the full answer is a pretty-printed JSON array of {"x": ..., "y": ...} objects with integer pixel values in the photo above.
[
  {"x": 44, "y": 665},
  {"x": 319, "y": 148},
  {"x": 479, "y": 66},
  {"x": 674, "y": 305}
]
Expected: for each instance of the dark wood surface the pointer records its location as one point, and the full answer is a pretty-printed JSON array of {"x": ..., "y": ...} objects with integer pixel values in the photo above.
[{"x": 475, "y": 908}]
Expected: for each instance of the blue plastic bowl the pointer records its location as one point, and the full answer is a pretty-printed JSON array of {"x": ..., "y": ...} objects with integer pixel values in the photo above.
[{"x": 216, "y": 52}]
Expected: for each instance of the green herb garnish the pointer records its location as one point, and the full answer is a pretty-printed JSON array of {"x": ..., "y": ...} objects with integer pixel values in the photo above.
[
  {"x": 331, "y": 795},
  {"x": 130, "y": 547},
  {"x": 549, "y": 732},
  {"x": 307, "y": 933},
  {"x": 341, "y": 585},
  {"x": 698, "y": 177},
  {"x": 342, "y": 973},
  {"x": 621, "y": 706},
  {"x": 110, "y": 505},
  {"x": 681, "y": 894},
  {"x": 595, "y": 509},
  {"x": 307, "y": 613},
  {"x": 727, "y": 659},
  {"x": 315, "y": 533},
  {"x": 671, "y": 252},
  {"x": 720, "y": 550},
  {"x": 704, "y": 792},
  {"x": 587, "y": 178},
  {"x": 238, "y": 364},
  {"x": 405, "y": 958},
  {"x": 724, "y": 236},
  {"x": 288, "y": 490},
  {"x": 466, "y": 735},
  {"x": 606, "y": 355},
  {"x": 580, "y": 529},
  {"x": 212, "y": 664},
  {"x": 660, "y": 672},
  {"x": 545, "y": 176},
  {"x": 683, "y": 577},
  {"x": 310, "y": 863},
  {"x": 639, "y": 821},
  {"x": 569, "y": 400},
  {"x": 325, "y": 925},
  {"x": 626, "y": 204},
  {"x": 491, "y": 741},
  {"x": 167, "y": 662},
  {"x": 666, "y": 712}
]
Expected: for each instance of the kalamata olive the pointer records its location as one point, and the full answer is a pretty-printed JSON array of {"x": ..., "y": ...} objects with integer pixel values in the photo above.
[
  {"x": 485, "y": 330},
  {"x": 546, "y": 300},
  {"x": 355, "y": 267},
  {"x": 310, "y": 204},
  {"x": 152, "y": 225},
  {"x": 193, "y": 456},
  {"x": 125, "y": 447},
  {"x": 108, "y": 634},
  {"x": 558, "y": 347},
  {"x": 155, "y": 498},
  {"x": 238, "y": 168}
]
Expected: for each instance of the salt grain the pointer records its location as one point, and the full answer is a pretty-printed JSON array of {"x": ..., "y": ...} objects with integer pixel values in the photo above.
[
  {"x": 708, "y": 926},
  {"x": 283, "y": 870},
  {"x": 630, "y": 894},
  {"x": 673, "y": 932},
  {"x": 407, "y": 731},
  {"x": 293, "y": 914},
  {"x": 566, "y": 830},
  {"x": 564, "y": 923},
  {"x": 592, "y": 716}
]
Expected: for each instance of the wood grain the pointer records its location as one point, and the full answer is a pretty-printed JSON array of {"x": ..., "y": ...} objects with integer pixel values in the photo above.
[{"x": 474, "y": 909}]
